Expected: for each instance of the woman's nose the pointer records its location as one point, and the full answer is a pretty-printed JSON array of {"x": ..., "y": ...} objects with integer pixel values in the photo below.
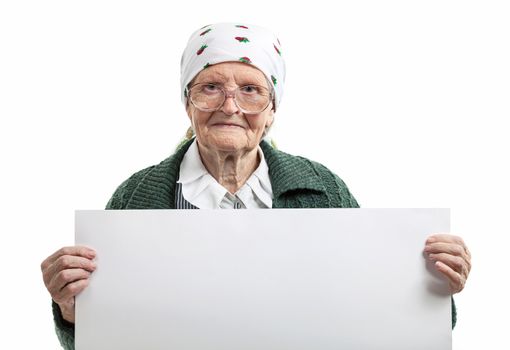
[{"x": 229, "y": 106}]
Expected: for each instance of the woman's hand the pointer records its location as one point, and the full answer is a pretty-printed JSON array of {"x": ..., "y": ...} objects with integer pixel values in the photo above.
[
  {"x": 451, "y": 257},
  {"x": 66, "y": 273}
]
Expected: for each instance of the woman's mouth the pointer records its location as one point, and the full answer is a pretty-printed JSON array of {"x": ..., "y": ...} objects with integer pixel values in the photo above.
[{"x": 227, "y": 125}]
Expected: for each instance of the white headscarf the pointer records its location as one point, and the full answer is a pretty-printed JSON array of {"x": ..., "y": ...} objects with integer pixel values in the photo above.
[{"x": 231, "y": 42}]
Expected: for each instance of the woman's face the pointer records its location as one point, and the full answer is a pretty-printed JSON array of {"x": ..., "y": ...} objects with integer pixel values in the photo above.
[{"x": 228, "y": 129}]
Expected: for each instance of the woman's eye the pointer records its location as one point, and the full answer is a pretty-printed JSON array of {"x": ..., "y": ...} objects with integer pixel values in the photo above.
[
  {"x": 210, "y": 88},
  {"x": 249, "y": 89}
]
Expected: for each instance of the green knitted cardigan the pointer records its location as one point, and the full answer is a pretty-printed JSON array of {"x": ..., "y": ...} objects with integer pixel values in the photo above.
[{"x": 296, "y": 183}]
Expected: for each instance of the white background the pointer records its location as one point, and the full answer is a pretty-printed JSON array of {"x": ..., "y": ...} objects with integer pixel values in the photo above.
[{"x": 406, "y": 100}]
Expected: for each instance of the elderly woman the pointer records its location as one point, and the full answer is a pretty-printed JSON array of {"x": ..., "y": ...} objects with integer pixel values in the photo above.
[{"x": 232, "y": 83}]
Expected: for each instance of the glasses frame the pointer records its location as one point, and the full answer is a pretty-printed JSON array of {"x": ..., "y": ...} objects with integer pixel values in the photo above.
[{"x": 227, "y": 94}]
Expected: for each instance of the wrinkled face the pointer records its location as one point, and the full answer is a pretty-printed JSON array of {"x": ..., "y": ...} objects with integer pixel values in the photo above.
[{"x": 229, "y": 129}]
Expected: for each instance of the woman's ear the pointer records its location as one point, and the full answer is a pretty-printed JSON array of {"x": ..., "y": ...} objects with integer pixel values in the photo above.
[
  {"x": 189, "y": 110},
  {"x": 270, "y": 119}
]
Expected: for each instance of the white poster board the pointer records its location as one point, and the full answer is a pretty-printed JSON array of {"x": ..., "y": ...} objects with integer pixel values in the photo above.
[{"x": 300, "y": 279}]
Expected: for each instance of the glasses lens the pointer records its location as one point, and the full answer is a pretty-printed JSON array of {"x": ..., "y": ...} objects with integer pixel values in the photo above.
[
  {"x": 207, "y": 96},
  {"x": 210, "y": 97},
  {"x": 252, "y": 98}
]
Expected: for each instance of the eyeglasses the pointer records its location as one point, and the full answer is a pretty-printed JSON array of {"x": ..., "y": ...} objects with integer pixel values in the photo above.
[{"x": 210, "y": 97}]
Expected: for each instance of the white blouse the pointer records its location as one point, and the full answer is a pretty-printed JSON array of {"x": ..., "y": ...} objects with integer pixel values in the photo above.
[{"x": 203, "y": 191}]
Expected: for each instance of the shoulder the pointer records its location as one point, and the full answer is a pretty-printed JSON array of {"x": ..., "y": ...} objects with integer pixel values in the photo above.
[
  {"x": 296, "y": 173},
  {"x": 125, "y": 190},
  {"x": 153, "y": 184},
  {"x": 287, "y": 163},
  {"x": 335, "y": 186}
]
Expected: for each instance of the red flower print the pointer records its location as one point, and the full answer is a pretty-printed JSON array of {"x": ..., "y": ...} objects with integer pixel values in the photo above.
[
  {"x": 202, "y": 48},
  {"x": 245, "y": 60},
  {"x": 205, "y": 32},
  {"x": 240, "y": 26},
  {"x": 242, "y": 39},
  {"x": 278, "y": 51}
]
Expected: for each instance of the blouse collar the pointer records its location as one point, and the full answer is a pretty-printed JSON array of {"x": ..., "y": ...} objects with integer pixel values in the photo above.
[{"x": 203, "y": 191}]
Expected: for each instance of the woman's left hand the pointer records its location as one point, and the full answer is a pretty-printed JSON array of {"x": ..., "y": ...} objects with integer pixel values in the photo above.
[{"x": 451, "y": 257}]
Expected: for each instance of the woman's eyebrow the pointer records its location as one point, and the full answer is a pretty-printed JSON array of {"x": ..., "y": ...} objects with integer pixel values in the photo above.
[
  {"x": 249, "y": 79},
  {"x": 214, "y": 77},
  {"x": 219, "y": 78}
]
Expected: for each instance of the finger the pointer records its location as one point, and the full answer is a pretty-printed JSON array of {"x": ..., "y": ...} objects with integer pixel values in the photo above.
[
  {"x": 456, "y": 263},
  {"x": 71, "y": 290},
  {"x": 73, "y": 262},
  {"x": 468, "y": 254},
  {"x": 446, "y": 238},
  {"x": 455, "y": 280},
  {"x": 66, "y": 262},
  {"x": 83, "y": 251},
  {"x": 468, "y": 260},
  {"x": 63, "y": 278},
  {"x": 449, "y": 248}
]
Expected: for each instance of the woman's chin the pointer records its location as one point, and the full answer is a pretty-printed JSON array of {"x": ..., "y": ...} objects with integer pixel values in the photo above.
[{"x": 228, "y": 142}]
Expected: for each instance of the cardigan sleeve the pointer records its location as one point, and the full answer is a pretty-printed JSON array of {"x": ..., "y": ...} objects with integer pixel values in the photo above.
[
  {"x": 347, "y": 200},
  {"x": 454, "y": 313},
  {"x": 64, "y": 329}
]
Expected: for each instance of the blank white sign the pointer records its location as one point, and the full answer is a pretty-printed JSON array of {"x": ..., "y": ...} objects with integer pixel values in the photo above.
[{"x": 300, "y": 279}]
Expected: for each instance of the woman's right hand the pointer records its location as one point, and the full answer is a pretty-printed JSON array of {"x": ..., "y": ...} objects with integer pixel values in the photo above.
[{"x": 66, "y": 273}]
